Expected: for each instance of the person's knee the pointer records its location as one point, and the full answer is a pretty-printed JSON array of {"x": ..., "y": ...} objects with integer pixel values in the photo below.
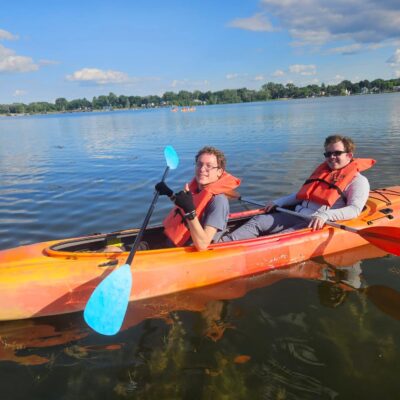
[{"x": 262, "y": 223}]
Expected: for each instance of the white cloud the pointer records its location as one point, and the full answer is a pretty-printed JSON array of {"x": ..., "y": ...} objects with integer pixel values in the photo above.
[
  {"x": 19, "y": 93},
  {"x": 4, "y": 35},
  {"x": 257, "y": 23},
  {"x": 98, "y": 76},
  {"x": 303, "y": 37},
  {"x": 317, "y": 22},
  {"x": 186, "y": 84},
  {"x": 350, "y": 49},
  {"x": 337, "y": 79},
  {"x": 231, "y": 76},
  {"x": 244, "y": 78},
  {"x": 176, "y": 83},
  {"x": 386, "y": 43},
  {"x": 278, "y": 73},
  {"x": 394, "y": 60},
  {"x": 305, "y": 70},
  {"x": 11, "y": 62}
]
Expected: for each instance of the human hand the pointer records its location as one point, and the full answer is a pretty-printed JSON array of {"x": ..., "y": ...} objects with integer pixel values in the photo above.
[
  {"x": 269, "y": 207},
  {"x": 184, "y": 199},
  {"x": 163, "y": 189},
  {"x": 316, "y": 223}
]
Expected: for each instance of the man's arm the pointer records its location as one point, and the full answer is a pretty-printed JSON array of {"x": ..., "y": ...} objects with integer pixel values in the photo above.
[
  {"x": 357, "y": 195},
  {"x": 214, "y": 220}
]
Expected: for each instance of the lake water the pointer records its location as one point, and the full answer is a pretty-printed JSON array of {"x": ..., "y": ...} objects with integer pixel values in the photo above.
[{"x": 286, "y": 334}]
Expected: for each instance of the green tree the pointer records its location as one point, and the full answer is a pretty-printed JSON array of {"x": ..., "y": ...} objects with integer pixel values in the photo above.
[
  {"x": 17, "y": 108},
  {"x": 4, "y": 108},
  {"x": 61, "y": 104},
  {"x": 135, "y": 101},
  {"x": 277, "y": 90},
  {"x": 170, "y": 98},
  {"x": 112, "y": 100},
  {"x": 123, "y": 102},
  {"x": 184, "y": 98}
]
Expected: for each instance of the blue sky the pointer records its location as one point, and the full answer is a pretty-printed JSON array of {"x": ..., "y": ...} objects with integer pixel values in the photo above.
[{"x": 76, "y": 49}]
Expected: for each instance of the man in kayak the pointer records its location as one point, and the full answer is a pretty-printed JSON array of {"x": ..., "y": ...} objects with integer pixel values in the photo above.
[
  {"x": 335, "y": 191},
  {"x": 202, "y": 209}
]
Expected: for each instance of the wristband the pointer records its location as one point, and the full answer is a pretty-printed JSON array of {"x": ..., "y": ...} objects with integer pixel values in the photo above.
[{"x": 190, "y": 215}]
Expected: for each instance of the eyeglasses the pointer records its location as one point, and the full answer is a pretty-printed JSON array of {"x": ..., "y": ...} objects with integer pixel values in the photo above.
[
  {"x": 207, "y": 167},
  {"x": 336, "y": 153}
]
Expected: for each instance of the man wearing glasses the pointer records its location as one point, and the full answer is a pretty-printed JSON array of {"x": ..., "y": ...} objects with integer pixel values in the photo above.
[
  {"x": 202, "y": 209},
  {"x": 335, "y": 191}
]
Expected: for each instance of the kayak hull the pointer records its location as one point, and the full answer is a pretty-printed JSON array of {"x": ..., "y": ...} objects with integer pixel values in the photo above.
[{"x": 39, "y": 280}]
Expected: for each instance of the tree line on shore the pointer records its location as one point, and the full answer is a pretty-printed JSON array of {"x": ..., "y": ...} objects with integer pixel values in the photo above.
[{"x": 268, "y": 91}]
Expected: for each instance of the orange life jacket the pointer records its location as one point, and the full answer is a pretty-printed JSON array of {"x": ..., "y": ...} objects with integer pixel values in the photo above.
[
  {"x": 325, "y": 185},
  {"x": 174, "y": 224}
]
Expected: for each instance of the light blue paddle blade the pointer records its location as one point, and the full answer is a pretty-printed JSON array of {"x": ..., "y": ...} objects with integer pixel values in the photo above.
[
  {"x": 171, "y": 157},
  {"x": 106, "y": 308}
]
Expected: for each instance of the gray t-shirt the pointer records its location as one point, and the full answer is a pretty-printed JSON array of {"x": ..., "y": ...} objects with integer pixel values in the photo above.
[{"x": 216, "y": 215}]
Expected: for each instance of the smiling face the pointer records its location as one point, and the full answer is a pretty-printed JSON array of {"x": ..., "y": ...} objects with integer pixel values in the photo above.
[
  {"x": 340, "y": 160},
  {"x": 207, "y": 170}
]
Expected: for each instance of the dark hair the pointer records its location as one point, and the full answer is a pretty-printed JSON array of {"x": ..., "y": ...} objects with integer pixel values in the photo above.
[
  {"x": 219, "y": 155},
  {"x": 348, "y": 143}
]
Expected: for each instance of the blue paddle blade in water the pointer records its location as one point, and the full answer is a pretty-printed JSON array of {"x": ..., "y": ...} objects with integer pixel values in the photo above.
[
  {"x": 106, "y": 308},
  {"x": 171, "y": 157}
]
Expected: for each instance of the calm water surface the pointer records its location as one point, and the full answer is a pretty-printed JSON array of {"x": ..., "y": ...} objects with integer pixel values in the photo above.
[{"x": 287, "y": 334}]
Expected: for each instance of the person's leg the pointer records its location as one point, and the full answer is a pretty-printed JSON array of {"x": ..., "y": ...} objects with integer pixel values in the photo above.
[
  {"x": 301, "y": 224},
  {"x": 263, "y": 225}
]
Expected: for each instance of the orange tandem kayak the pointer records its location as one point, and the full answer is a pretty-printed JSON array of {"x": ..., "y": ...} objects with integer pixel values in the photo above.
[
  {"x": 40, "y": 333},
  {"x": 58, "y": 277}
]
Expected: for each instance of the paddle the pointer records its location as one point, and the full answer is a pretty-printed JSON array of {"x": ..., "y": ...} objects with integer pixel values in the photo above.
[
  {"x": 384, "y": 237},
  {"x": 106, "y": 307}
]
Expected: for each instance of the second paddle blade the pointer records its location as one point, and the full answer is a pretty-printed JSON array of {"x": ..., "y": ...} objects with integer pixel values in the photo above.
[
  {"x": 106, "y": 308},
  {"x": 385, "y": 237}
]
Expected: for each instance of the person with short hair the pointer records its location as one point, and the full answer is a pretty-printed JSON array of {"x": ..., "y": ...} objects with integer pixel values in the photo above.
[
  {"x": 202, "y": 209},
  {"x": 336, "y": 190}
]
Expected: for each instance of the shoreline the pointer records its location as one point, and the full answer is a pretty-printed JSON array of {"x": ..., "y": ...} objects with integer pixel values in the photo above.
[{"x": 174, "y": 106}]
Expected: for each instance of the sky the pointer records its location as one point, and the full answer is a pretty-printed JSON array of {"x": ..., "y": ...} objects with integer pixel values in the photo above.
[{"x": 76, "y": 49}]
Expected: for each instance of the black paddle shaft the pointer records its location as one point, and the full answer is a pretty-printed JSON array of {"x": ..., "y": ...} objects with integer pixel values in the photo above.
[{"x": 145, "y": 222}]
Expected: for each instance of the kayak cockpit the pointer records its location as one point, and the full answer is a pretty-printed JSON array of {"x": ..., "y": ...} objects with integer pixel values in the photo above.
[{"x": 121, "y": 241}]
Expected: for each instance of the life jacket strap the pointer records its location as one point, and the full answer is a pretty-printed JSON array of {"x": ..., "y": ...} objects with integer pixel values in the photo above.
[{"x": 330, "y": 185}]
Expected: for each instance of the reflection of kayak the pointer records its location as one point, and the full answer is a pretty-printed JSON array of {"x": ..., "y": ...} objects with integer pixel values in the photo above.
[
  {"x": 39, "y": 334},
  {"x": 58, "y": 277},
  {"x": 17, "y": 336}
]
